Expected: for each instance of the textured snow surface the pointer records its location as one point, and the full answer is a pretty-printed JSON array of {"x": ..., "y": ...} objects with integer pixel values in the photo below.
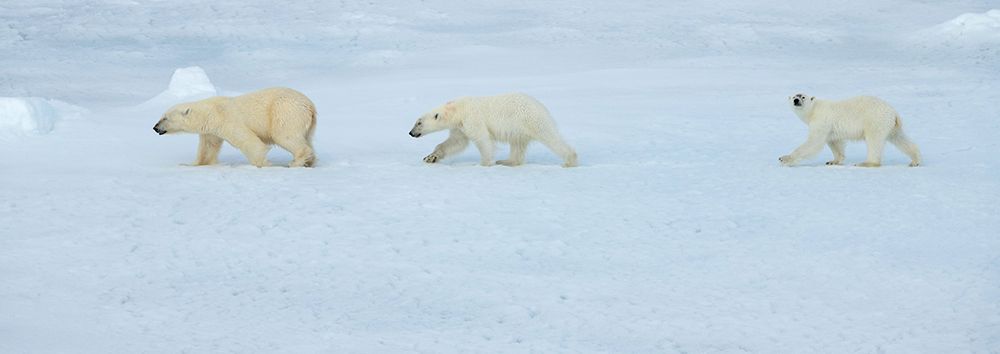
[{"x": 679, "y": 232}]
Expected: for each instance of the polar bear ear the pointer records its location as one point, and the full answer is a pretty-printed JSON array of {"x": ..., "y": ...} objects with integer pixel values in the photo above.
[
  {"x": 186, "y": 111},
  {"x": 449, "y": 109},
  {"x": 812, "y": 98}
]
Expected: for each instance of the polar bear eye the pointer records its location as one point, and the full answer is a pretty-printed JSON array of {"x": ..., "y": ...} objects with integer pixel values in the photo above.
[{"x": 435, "y": 116}]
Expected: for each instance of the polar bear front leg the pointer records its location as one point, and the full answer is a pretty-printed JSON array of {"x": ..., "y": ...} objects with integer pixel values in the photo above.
[
  {"x": 251, "y": 146},
  {"x": 480, "y": 135},
  {"x": 486, "y": 148},
  {"x": 838, "y": 152},
  {"x": 811, "y": 147},
  {"x": 456, "y": 142},
  {"x": 208, "y": 149}
]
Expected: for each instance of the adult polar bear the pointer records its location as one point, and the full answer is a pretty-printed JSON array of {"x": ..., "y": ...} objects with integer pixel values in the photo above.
[
  {"x": 833, "y": 122},
  {"x": 251, "y": 123},
  {"x": 514, "y": 118}
]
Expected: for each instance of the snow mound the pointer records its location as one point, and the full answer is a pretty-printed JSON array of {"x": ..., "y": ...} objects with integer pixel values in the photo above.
[
  {"x": 974, "y": 27},
  {"x": 33, "y": 115},
  {"x": 190, "y": 81},
  {"x": 186, "y": 84}
]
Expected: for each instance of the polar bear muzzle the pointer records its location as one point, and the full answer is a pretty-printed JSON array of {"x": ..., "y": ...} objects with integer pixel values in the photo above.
[
  {"x": 158, "y": 129},
  {"x": 415, "y": 132}
]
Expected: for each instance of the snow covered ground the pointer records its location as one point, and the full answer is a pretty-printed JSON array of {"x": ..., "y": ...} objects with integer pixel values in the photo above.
[{"x": 679, "y": 232}]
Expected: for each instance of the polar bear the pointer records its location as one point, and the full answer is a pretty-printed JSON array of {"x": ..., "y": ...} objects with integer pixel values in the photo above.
[
  {"x": 251, "y": 123},
  {"x": 514, "y": 118},
  {"x": 833, "y": 122}
]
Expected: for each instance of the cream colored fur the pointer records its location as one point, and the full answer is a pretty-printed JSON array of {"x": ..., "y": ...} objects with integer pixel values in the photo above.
[
  {"x": 251, "y": 123},
  {"x": 514, "y": 118},
  {"x": 832, "y": 123}
]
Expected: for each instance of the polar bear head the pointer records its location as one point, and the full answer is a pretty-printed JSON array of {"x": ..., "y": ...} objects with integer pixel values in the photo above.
[
  {"x": 801, "y": 102},
  {"x": 177, "y": 119},
  {"x": 440, "y": 118}
]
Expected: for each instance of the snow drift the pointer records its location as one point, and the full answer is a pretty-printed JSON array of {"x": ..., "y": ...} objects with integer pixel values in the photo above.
[
  {"x": 33, "y": 115},
  {"x": 967, "y": 28}
]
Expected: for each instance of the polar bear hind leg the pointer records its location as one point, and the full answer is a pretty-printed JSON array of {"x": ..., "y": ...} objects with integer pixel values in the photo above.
[
  {"x": 302, "y": 152},
  {"x": 310, "y": 161},
  {"x": 903, "y": 143},
  {"x": 294, "y": 131},
  {"x": 561, "y": 149},
  {"x": 299, "y": 146}
]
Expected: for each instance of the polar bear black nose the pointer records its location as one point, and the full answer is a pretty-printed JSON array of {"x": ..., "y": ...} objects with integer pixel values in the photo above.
[
  {"x": 415, "y": 135},
  {"x": 796, "y": 101}
]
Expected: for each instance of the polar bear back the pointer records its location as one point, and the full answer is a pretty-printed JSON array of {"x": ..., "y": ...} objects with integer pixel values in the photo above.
[
  {"x": 271, "y": 112},
  {"x": 509, "y": 117},
  {"x": 861, "y": 107},
  {"x": 852, "y": 118}
]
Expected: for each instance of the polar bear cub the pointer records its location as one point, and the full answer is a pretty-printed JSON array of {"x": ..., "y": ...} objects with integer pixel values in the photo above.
[
  {"x": 833, "y": 122},
  {"x": 513, "y": 118},
  {"x": 251, "y": 123}
]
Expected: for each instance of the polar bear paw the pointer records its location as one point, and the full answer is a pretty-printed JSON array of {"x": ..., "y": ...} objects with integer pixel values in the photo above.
[
  {"x": 834, "y": 163},
  {"x": 786, "y": 160},
  {"x": 432, "y": 158},
  {"x": 869, "y": 164}
]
